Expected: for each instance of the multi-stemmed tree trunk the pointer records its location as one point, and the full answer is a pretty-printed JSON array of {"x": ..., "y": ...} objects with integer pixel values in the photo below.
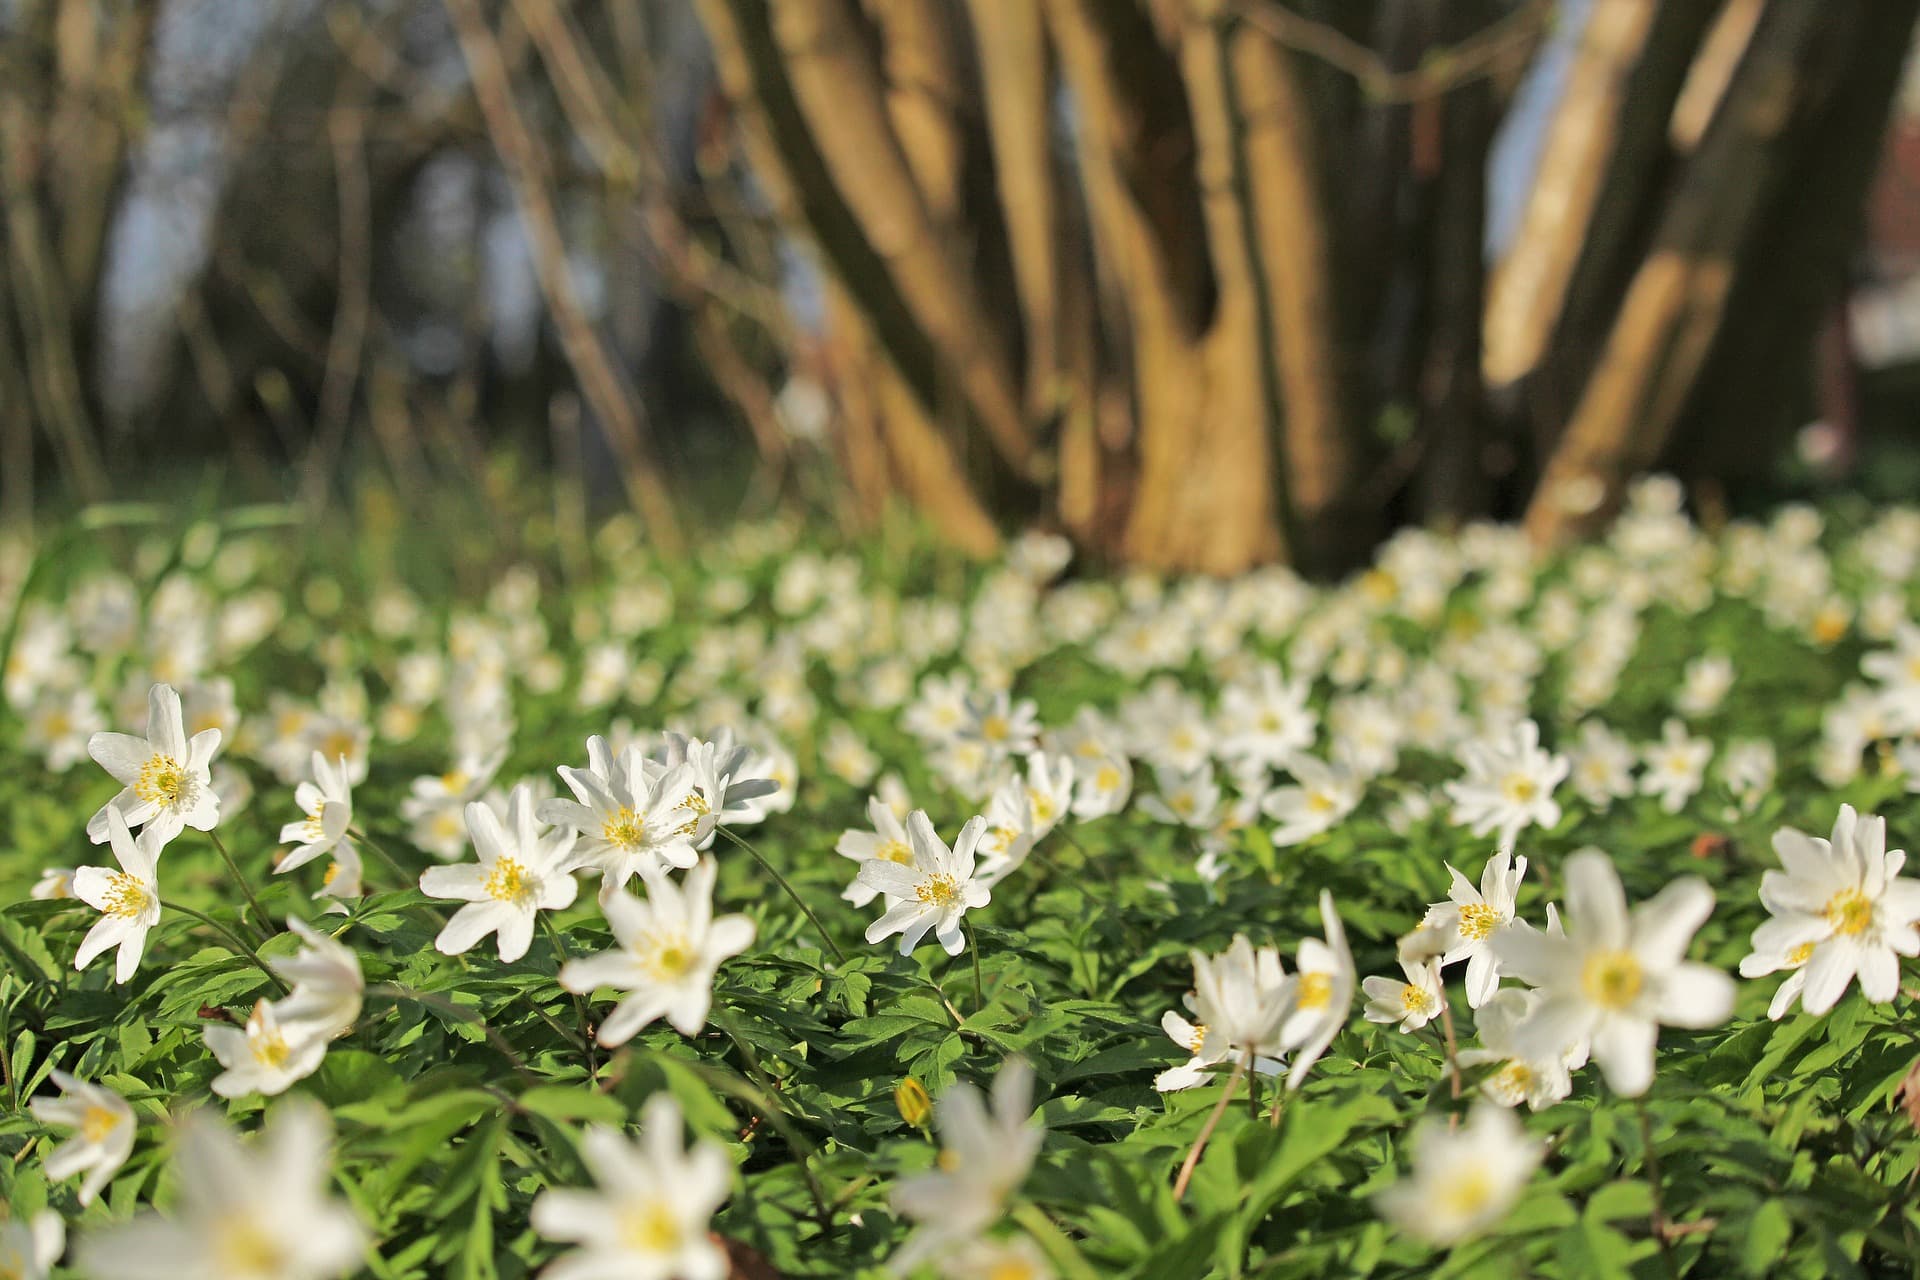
[{"x": 1242, "y": 314}]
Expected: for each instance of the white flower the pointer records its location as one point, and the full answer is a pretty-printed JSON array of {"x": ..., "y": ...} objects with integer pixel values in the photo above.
[
  {"x": 1322, "y": 796},
  {"x": 670, "y": 947},
  {"x": 1412, "y": 1004},
  {"x": 328, "y": 803},
  {"x": 264, "y": 1057},
  {"x": 731, "y": 781},
  {"x": 1003, "y": 726},
  {"x": 1675, "y": 766},
  {"x": 1016, "y": 1258},
  {"x": 1704, "y": 684},
  {"x": 1898, "y": 672},
  {"x": 129, "y": 899},
  {"x": 1207, "y": 1047},
  {"x": 103, "y": 1130},
  {"x": 647, "y": 1216},
  {"x": 1464, "y": 1180},
  {"x": 435, "y": 806},
  {"x": 1841, "y": 909},
  {"x": 629, "y": 817},
  {"x": 1509, "y": 784},
  {"x": 164, "y": 777},
  {"x": 1266, "y": 719},
  {"x": 54, "y": 882},
  {"x": 1602, "y": 765},
  {"x": 1188, "y": 798},
  {"x": 986, "y": 1152},
  {"x": 59, "y": 726},
  {"x": 28, "y": 1249},
  {"x": 1475, "y": 917},
  {"x": 933, "y": 892},
  {"x": 1539, "y": 1081},
  {"x": 1616, "y": 976},
  {"x": 887, "y": 840},
  {"x": 1319, "y": 994},
  {"x": 519, "y": 872},
  {"x": 1241, "y": 997},
  {"x": 242, "y": 1212},
  {"x": 327, "y": 983}
]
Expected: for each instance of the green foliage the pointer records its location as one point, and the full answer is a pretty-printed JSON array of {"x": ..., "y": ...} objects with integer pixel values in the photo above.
[{"x": 465, "y": 1087}]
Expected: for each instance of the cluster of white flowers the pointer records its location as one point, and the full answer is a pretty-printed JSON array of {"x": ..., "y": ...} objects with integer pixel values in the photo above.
[{"x": 1316, "y": 704}]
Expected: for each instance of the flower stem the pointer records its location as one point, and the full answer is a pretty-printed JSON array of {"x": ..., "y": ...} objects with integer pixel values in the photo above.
[
  {"x": 1658, "y": 1218},
  {"x": 765, "y": 1100},
  {"x": 973, "y": 945},
  {"x": 1453, "y": 1045},
  {"x": 1054, "y": 1242},
  {"x": 245, "y": 947},
  {"x": 579, "y": 1005},
  {"x": 1213, "y": 1122},
  {"x": 259, "y": 911},
  {"x": 840, "y": 957}
]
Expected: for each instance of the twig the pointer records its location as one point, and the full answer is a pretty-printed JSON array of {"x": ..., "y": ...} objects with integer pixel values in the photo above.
[{"x": 1213, "y": 1121}]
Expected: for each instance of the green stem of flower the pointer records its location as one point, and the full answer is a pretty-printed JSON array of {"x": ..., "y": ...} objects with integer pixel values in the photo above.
[
  {"x": 241, "y": 943},
  {"x": 839, "y": 956},
  {"x": 260, "y": 912},
  {"x": 1658, "y": 1218},
  {"x": 973, "y": 945},
  {"x": 1453, "y": 1045},
  {"x": 1054, "y": 1242},
  {"x": 1213, "y": 1122},
  {"x": 407, "y": 879},
  {"x": 765, "y": 1100},
  {"x": 579, "y": 1005}
]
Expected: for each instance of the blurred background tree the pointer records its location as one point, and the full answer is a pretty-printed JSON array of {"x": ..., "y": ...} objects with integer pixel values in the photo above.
[{"x": 1203, "y": 283}]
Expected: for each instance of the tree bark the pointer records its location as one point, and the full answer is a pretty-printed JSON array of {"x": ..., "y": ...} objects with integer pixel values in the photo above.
[{"x": 1678, "y": 299}]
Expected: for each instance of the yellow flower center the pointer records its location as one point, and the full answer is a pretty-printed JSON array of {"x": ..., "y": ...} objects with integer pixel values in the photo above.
[
  {"x": 96, "y": 1122},
  {"x": 938, "y": 891},
  {"x": 509, "y": 882},
  {"x": 126, "y": 897},
  {"x": 1467, "y": 1194},
  {"x": 1850, "y": 912},
  {"x": 1320, "y": 802},
  {"x": 333, "y": 873},
  {"x": 314, "y": 828},
  {"x": 58, "y": 724},
  {"x": 650, "y": 1227},
  {"x": 1181, "y": 803},
  {"x": 698, "y": 805},
  {"x": 670, "y": 958},
  {"x": 1415, "y": 1000},
  {"x": 1520, "y": 788},
  {"x": 624, "y": 829},
  {"x": 163, "y": 781},
  {"x": 1012, "y": 1269},
  {"x": 1800, "y": 955},
  {"x": 1612, "y": 979},
  {"x": 337, "y": 744},
  {"x": 895, "y": 851},
  {"x": 995, "y": 728},
  {"x": 1199, "y": 1039},
  {"x": 1478, "y": 919},
  {"x": 270, "y": 1048},
  {"x": 454, "y": 780},
  {"x": 1107, "y": 778},
  {"x": 1316, "y": 990},
  {"x": 1043, "y": 810},
  {"x": 242, "y": 1248},
  {"x": 1512, "y": 1081}
]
